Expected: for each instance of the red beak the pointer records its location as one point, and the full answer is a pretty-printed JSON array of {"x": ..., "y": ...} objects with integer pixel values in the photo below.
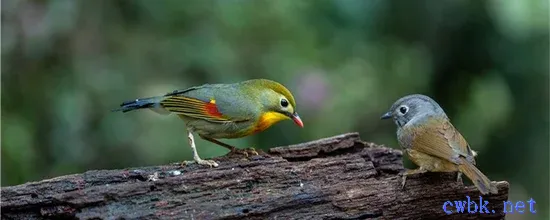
[{"x": 297, "y": 120}]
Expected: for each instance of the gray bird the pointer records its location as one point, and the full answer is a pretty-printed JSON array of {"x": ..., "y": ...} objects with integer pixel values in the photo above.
[{"x": 430, "y": 140}]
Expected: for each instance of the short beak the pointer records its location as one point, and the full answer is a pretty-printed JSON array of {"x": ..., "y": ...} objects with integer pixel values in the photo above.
[
  {"x": 297, "y": 120},
  {"x": 386, "y": 116}
]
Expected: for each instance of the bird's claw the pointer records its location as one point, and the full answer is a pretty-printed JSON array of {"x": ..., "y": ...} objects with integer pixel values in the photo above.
[
  {"x": 403, "y": 179},
  {"x": 245, "y": 152},
  {"x": 253, "y": 151},
  {"x": 186, "y": 163},
  {"x": 209, "y": 163}
]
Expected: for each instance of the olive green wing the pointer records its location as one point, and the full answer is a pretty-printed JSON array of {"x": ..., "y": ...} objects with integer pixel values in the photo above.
[{"x": 205, "y": 102}]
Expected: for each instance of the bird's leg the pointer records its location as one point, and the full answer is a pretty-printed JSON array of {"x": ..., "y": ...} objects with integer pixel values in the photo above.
[
  {"x": 196, "y": 157},
  {"x": 459, "y": 176},
  {"x": 231, "y": 148},
  {"x": 410, "y": 172}
]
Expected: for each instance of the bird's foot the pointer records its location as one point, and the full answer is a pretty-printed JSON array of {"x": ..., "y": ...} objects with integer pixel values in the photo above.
[
  {"x": 196, "y": 157},
  {"x": 209, "y": 163},
  {"x": 403, "y": 179},
  {"x": 187, "y": 162},
  {"x": 246, "y": 152},
  {"x": 410, "y": 172},
  {"x": 459, "y": 177}
]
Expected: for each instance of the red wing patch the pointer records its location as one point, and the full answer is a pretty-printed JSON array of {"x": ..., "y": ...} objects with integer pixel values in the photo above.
[
  {"x": 194, "y": 108},
  {"x": 212, "y": 110}
]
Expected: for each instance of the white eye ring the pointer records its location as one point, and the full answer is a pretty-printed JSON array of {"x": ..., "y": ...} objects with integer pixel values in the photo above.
[{"x": 402, "y": 110}]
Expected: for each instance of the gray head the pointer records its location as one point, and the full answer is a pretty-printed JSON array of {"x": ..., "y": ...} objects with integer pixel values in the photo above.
[{"x": 413, "y": 108}]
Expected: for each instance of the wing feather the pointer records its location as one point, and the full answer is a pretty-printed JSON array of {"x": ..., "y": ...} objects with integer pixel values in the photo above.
[
  {"x": 439, "y": 138},
  {"x": 194, "y": 108}
]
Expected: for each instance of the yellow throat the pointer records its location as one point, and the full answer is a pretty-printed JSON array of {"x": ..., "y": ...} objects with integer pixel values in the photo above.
[{"x": 267, "y": 119}]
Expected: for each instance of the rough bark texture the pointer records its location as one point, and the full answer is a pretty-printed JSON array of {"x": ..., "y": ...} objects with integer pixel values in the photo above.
[{"x": 339, "y": 177}]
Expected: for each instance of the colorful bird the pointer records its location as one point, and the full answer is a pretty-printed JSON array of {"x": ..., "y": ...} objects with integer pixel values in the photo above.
[
  {"x": 430, "y": 140},
  {"x": 224, "y": 111}
]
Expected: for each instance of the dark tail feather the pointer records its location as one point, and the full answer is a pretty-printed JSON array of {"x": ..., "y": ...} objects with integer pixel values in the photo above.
[
  {"x": 136, "y": 104},
  {"x": 478, "y": 178}
]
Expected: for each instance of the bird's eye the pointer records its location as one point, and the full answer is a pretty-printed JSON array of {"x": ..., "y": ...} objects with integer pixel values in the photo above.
[
  {"x": 403, "y": 110},
  {"x": 284, "y": 103}
]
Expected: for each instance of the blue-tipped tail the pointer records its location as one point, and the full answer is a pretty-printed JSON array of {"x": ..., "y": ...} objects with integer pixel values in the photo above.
[{"x": 136, "y": 104}]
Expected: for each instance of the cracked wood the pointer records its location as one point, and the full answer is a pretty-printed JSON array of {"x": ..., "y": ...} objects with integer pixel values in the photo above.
[{"x": 340, "y": 177}]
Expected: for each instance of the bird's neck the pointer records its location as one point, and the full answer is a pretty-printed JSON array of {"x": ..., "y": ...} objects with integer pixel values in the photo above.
[{"x": 267, "y": 119}]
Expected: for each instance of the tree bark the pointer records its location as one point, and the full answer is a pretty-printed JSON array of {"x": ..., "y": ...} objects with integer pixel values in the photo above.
[{"x": 340, "y": 177}]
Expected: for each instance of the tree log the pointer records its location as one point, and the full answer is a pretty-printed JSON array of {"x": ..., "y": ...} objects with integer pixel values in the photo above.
[{"x": 340, "y": 177}]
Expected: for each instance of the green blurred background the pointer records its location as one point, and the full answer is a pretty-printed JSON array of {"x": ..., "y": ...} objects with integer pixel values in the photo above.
[{"x": 67, "y": 63}]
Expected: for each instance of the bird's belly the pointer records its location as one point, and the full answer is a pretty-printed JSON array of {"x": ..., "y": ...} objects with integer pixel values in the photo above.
[
  {"x": 430, "y": 163},
  {"x": 214, "y": 130}
]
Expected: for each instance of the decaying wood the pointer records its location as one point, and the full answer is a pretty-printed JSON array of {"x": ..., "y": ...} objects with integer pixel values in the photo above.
[{"x": 340, "y": 177}]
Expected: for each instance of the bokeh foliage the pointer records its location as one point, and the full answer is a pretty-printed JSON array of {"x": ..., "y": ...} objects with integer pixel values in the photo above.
[{"x": 66, "y": 63}]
